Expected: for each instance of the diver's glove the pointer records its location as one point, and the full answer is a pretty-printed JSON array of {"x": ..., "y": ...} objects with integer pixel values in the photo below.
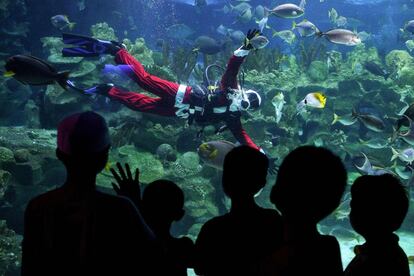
[
  {"x": 250, "y": 35},
  {"x": 247, "y": 46},
  {"x": 100, "y": 89}
]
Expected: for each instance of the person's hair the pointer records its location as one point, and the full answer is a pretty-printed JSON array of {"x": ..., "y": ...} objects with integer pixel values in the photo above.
[
  {"x": 244, "y": 172},
  {"x": 163, "y": 198},
  {"x": 379, "y": 204},
  {"x": 309, "y": 184}
]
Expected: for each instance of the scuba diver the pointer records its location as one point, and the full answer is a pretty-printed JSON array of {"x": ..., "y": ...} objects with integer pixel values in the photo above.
[{"x": 194, "y": 103}]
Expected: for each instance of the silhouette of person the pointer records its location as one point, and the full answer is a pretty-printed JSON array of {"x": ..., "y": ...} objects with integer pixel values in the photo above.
[
  {"x": 309, "y": 186},
  {"x": 379, "y": 205},
  {"x": 77, "y": 230},
  {"x": 162, "y": 204},
  {"x": 234, "y": 243}
]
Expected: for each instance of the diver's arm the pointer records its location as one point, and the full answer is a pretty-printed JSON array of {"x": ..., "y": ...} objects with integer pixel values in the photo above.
[
  {"x": 240, "y": 134},
  {"x": 229, "y": 78}
]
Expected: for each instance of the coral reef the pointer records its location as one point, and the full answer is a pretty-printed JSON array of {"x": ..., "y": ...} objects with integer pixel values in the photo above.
[
  {"x": 150, "y": 168},
  {"x": 10, "y": 250},
  {"x": 318, "y": 71},
  {"x": 54, "y": 46},
  {"x": 103, "y": 31}
]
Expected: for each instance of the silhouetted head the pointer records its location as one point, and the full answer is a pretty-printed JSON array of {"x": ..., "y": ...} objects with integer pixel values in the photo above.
[
  {"x": 379, "y": 205},
  {"x": 309, "y": 185},
  {"x": 83, "y": 142},
  {"x": 163, "y": 201},
  {"x": 244, "y": 172}
]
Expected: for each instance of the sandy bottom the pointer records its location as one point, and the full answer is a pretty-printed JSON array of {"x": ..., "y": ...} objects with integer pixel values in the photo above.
[{"x": 347, "y": 249}]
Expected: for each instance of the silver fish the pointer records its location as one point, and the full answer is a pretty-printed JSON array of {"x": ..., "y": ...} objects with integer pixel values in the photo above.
[{"x": 341, "y": 36}]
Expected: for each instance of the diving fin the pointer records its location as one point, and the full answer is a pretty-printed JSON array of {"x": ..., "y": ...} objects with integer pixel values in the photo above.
[{"x": 84, "y": 46}]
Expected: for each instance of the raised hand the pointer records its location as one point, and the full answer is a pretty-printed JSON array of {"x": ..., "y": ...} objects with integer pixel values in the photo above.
[
  {"x": 126, "y": 185},
  {"x": 250, "y": 35}
]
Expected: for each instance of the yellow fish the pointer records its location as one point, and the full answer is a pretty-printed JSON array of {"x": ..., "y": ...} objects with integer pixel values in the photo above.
[
  {"x": 108, "y": 166},
  {"x": 315, "y": 100},
  {"x": 8, "y": 74}
]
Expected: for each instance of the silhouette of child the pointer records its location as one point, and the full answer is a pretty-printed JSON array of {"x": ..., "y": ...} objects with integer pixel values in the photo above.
[
  {"x": 233, "y": 244},
  {"x": 309, "y": 186},
  {"x": 379, "y": 205},
  {"x": 162, "y": 204},
  {"x": 77, "y": 230}
]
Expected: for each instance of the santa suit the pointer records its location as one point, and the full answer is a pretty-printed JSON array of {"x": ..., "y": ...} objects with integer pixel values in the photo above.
[{"x": 178, "y": 100}]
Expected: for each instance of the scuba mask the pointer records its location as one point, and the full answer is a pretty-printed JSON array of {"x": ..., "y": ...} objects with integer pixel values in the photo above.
[{"x": 239, "y": 100}]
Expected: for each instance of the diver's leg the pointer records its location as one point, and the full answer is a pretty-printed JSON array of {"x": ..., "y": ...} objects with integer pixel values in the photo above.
[
  {"x": 143, "y": 103},
  {"x": 157, "y": 86}
]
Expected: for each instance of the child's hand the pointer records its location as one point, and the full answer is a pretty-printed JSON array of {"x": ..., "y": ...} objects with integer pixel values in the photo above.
[{"x": 126, "y": 185}]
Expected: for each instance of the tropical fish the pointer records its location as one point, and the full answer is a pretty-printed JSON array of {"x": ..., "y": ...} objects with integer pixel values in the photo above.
[
  {"x": 278, "y": 102},
  {"x": 223, "y": 30},
  {"x": 375, "y": 69},
  {"x": 238, "y": 9},
  {"x": 259, "y": 12},
  {"x": 283, "y": 11},
  {"x": 34, "y": 71},
  {"x": 404, "y": 172},
  {"x": 305, "y": 28},
  {"x": 207, "y": 45},
  {"x": 364, "y": 166},
  {"x": 333, "y": 15},
  {"x": 344, "y": 120},
  {"x": 375, "y": 143},
  {"x": 245, "y": 16},
  {"x": 341, "y": 21},
  {"x": 237, "y": 36},
  {"x": 287, "y": 36},
  {"x": 213, "y": 152},
  {"x": 406, "y": 155},
  {"x": 409, "y": 27},
  {"x": 364, "y": 36},
  {"x": 62, "y": 22},
  {"x": 407, "y": 135},
  {"x": 179, "y": 31},
  {"x": 315, "y": 100},
  {"x": 370, "y": 121},
  {"x": 341, "y": 36},
  {"x": 287, "y": 10},
  {"x": 198, "y": 3},
  {"x": 410, "y": 45},
  {"x": 407, "y": 113},
  {"x": 259, "y": 42}
]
